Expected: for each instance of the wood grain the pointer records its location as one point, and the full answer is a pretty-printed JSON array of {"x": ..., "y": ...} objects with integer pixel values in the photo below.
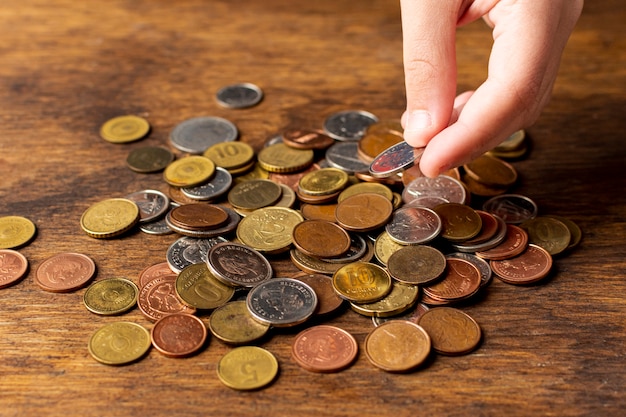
[{"x": 551, "y": 349}]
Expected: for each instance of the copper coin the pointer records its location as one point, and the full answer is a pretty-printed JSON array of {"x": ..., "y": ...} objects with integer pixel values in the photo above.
[
  {"x": 327, "y": 299},
  {"x": 198, "y": 216},
  {"x": 158, "y": 299},
  {"x": 363, "y": 212},
  {"x": 324, "y": 348},
  {"x": 154, "y": 271},
  {"x": 13, "y": 267},
  {"x": 307, "y": 139},
  {"x": 321, "y": 239},
  {"x": 528, "y": 267},
  {"x": 65, "y": 272},
  {"x": 460, "y": 281},
  {"x": 514, "y": 243},
  {"x": 292, "y": 179},
  {"x": 398, "y": 346},
  {"x": 318, "y": 211},
  {"x": 178, "y": 335},
  {"x": 452, "y": 331},
  {"x": 489, "y": 227}
]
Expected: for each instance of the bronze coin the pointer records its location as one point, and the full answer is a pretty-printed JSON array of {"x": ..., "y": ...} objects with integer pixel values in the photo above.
[
  {"x": 491, "y": 171},
  {"x": 318, "y": 211},
  {"x": 324, "y": 348},
  {"x": 65, "y": 272},
  {"x": 452, "y": 331},
  {"x": 154, "y": 271},
  {"x": 460, "y": 281},
  {"x": 198, "y": 216},
  {"x": 178, "y": 335},
  {"x": 549, "y": 233},
  {"x": 363, "y": 212},
  {"x": 416, "y": 264},
  {"x": 530, "y": 266},
  {"x": 158, "y": 299},
  {"x": 321, "y": 239},
  {"x": 254, "y": 194},
  {"x": 13, "y": 267},
  {"x": 327, "y": 299},
  {"x": 398, "y": 346},
  {"x": 489, "y": 228},
  {"x": 514, "y": 243},
  {"x": 458, "y": 222},
  {"x": 307, "y": 139}
]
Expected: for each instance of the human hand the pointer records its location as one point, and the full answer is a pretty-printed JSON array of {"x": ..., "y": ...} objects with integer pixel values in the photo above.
[{"x": 529, "y": 38}]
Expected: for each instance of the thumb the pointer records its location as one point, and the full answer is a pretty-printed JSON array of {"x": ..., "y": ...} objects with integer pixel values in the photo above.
[{"x": 428, "y": 31}]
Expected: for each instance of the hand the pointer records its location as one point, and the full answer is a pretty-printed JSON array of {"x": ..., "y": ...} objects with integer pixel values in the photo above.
[{"x": 529, "y": 38}]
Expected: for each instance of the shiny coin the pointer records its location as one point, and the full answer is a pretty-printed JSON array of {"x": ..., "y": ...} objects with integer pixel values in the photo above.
[
  {"x": 357, "y": 250},
  {"x": 452, "y": 331},
  {"x": 247, "y": 368},
  {"x": 119, "y": 343},
  {"x": 377, "y": 140},
  {"x": 189, "y": 171},
  {"x": 413, "y": 225},
  {"x": 281, "y": 158},
  {"x": 458, "y": 222},
  {"x": 515, "y": 242},
  {"x": 324, "y": 349},
  {"x": 189, "y": 250},
  {"x": 149, "y": 159},
  {"x": 217, "y": 186},
  {"x": 178, "y": 335},
  {"x": 416, "y": 264},
  {"x": 269, "y": 229},
  {"x": 549, "y": 233},
  {"x": 443, "y": 186},
  {"x": 282, "y": 302},
  {"x": 361, "y": 282},
  {"x": 307, "y": 139},
  {"x": 483, "y": 266},
  {"x": 254, "y": 194},
  {"x": 65, "y": 272},
  {"x": 530, "y": 266},
  {"x": 348, "y": 125},
  {"x": 291, "y": 179},
  {"x": 124, "y": 129},
  {"x": 110, "y": 218},
  {"x": 13, "y": 267},
  {"x": 232, "y": 323},
  {"x": 152, "y": 204},
  {"x": 512, "y": 208},
  {"x": 197, "y": 287},
  {"x": 491, "y": 171},
  {"x": 327, "y": 300},
  {"x": 111, "y": 296},
  {"x": 395, "y": 159},
  {"x": 384, "y": 247},
  {"x": 158, "y": 298},
  {"x": 401, "y": 298},
  {"x": 323, "y": 181},
  {"x": 238, "y": 265},
  {"x": 363, "y": 212},
  {"x": 460, "y": 281},
  {"x": 239, "y": 96},
  {"x": 198, "y": 216},
  {"x": 321, "y": 239},
  {"x": 397, "y": 346},
  {"x": 197, "y": 134},
  {"x": 230, "y": 155},
  {"x": 15, "y": 231},
  {"x": 345, "y": 156}
]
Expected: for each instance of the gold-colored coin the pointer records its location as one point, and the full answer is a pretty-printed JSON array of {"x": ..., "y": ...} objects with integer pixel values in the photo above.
[
  {"x": 230, "y": 155},
  {"x": 452, "y": 331},
  {"x": 110, "y": 218},
  {"x": 574, "y": 230},
  {"x": 323, "y": 181},
  {"x": 254, "y": 194},
  {"x": 366, "y": 187},
  {"x": 119, "y": 343},
  {"x": 491, "y": 171},
  {"x": 189, "y": 171},
  {"x": 15, "y": 231},
  {"x": 247, "y": 368},
  {"x": 197, "y": 287},
  {"x": 269, "y": 229},
  {"x": 111, "y": 296},
  {"x": 549, "y": 233},
  {"x": 281, "y": 158},
  {"x": 384, "y": 247},
  {"x": 232, "y": 323},
  {"x": 459, "y": 222},
  {"x": 361, "y": 282},
  {"x": 401, "y": 298},
  {"x": 397, "y": 346},
  {"x": 149, "y": 159},
  {"x": 124, "y": 129},
  {"x": 255, "y": 172}
]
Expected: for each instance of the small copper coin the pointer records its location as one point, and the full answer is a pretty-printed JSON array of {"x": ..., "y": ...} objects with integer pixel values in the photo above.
[
  {"x": 158, "y": 299},
  {"x": 489, "y": 228},
  {"x": 13, "y": 267},
  {"x": 154, "y": 271},
  {"x": 363, "y": 212},
  {"x": 327, "y": 300},
  {"x": 199, "y": 216},
  {"x": 321, "y": 239},
  {"x": 452, "y": 331},
  {"x": 416, "y": 264},
  {"x": 514, "y": 243},
  {"x": 307, "y": 139},
  {"x": 461, "y": 280},
  {"x": 530, "y": 266},
  {"x": 318, "y": 211},
  {"x": 65, "y": 272},
  {"x": 324, "y": 349},
  {"x": 178, "y": 335},
  {"x": 397, "y": 346}
]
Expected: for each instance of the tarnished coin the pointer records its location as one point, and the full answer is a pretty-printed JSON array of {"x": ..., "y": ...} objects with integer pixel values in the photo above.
[
  {"x": 348, "y": 125},
  {"x": 413, "y": 225},
  {"x": 443, "y": 186},
  {"x": 152, "y": 204},
  {"x": 238, "y": 265},
  {"x": 313, "y": 265},
  {"x": 189, "y": 250},
  {"x": 397, "y": 346},
  {"x": 307, "y": 139},
  {"x": 357, "y": 250},
  {"x": 178, "y": 335},
  {"x": 452, "y": 331},
  {"x": 361, "y": 282},
  {"x": 15, "y": 231},
  {"x": 512, "y": 208},
  {"x": 254, "y": 194},
  {"x": 324, "y": 348},
  {"x": 364, "y": 212},
  {"x": 321, "y": 239},
  {"x": 323, "y": 181},
  {"x": 239, "y": 96},
  {"x": 232, "y": 323},
  {"x": 345, "y": 156},
  {"x": 197, "y": 134},
  {"x": 110, "y": 218},
  {"x": 281, "y": 158},
  {"x": 515, "y": 242},
  {"x": 327, "y": 300},
  {"x": 148, "y": 159},
  {"x": 198, "y": 216},
  {"x": 460, "y": 281},
  {"x": 458, "y": 222},
  {"x": 549, "y": 233},
  {"x": 217, "y": 186},
  {"x": 189, "y": 171},
  {"x": 282, "y": 302},
  {"x": 65, "y": 272},
  {"x": 269, "y": 229},
  {"x": 401, "y": 298},
  {"x": 395, "y": 159},
  {"x": 124, "y": 129},
  {"x": 119, "y": 343},
  {"x": 111, "y": 296},
  {"x": 230, "y": 155},
  {"x": 575, "y": 232},
  {"x": 197, "y": 287},
  {"x": 13, "y": 267},
  {"x": 416, "y": 264},
  {"x": 158, "y": 298},
  {"x": 247, "y": 368},
  {"x": 530, "y": 266}
]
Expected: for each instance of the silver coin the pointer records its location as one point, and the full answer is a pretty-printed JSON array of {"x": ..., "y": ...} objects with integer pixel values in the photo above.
[
  {"x": 196, "y": 135},
  {"x": 483, "y": 266},
  {"x": 395, "y": 159},
  {"x": 427, "y": 201},
  {"x": 152, "y": 204},
  {"x": 345, "y": 156},
  {"x": 218, "y": 185},
  {"x": 230, "y": 226},
  {"x": 442, "y": 186},
  {"x": 239, "y": 96},
  {"x": 349, "y": 125},
  {"x": 158, "y": 227},
  {"x": 512, "y": 208},
  {"x": 238, "y": 265},
  {"x": 188, "y": 250},
  {"x": 273, "y": 140},
  {"x": 413, "y": 225},
  {"x": 282, "y": 302}
]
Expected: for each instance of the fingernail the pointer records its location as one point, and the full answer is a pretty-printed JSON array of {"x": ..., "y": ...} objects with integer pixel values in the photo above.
[{"x": 418, "y": 120}]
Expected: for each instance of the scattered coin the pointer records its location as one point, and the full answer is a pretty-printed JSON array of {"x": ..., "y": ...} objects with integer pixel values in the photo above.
[
  {"x": 532, "y": 265},
  {"x": 461, "y": 280},
  {"x": 247, "y": 368},
  {"x": 230, "y": 155},
  {"x": 269, "y": 229},
  {"x": 321, "y": 239},
  {"x": 197, "y": 287},
  {"x": 397, "y": 346},
  {"x": 119, "y": 343},
  {"x": 158, "y": 298},
  {"x": 327, "y": 300},
  {"x": 238, "y": 265},
  {"x": 345, "y": 156},
  {"x": 307, "y": 139},
  {"x": 362, "y": 282},
  {"x": 512, "y": 208},
  {"x": 364, "y": 212},
  {"x": 233, "y": 323},
  {"x": 110, "y": 218},
  {"x": 154, "y": 271},
  {"x": 189, "y": 171},
  {"x": 548, "y": 232},
  {"x": 282, "y": 302},
  {"x": 111, "y": 296},
  {"x": 239, "y": 96},
  {"x": 452, "y": 331},
  {"x": 152, "y": 204},
  {"x": 216, "y": 187},
  {"x": 65, "y": 272},
  {"x": 13, "y": 267},
  {"x": 418, "y": 264},
  {"x": 413, "y": 225},
  {"x": 401, "y": 298},
  {"x": 459, "y": 222},
  {"x": 197, "y": 134},
  {"x": 348, "y": 125},
  {"x": 15, "y": 231},
  {"x": 124, "y": 129},
  {"x": 148, "y": 159},
  {"x": 254, "y": 194},
  {"x": 281, "y": 158},
  {"x": 444, "y": 186},
  {"x": 178, "y": 335},
  {"x": 324, "y": 348}
]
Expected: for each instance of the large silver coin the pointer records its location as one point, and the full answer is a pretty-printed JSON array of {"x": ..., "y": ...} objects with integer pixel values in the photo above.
[
  {"x": 238, "y": 265},
  {"x": 282, "y": 302},
  {"x": 345, "y": 156},
  {"x": 413, "y": 225},
  {"x": 199, "y": 133},
  {"x": 395, "y": 159},
  {"x": 188, "y": 250},
  {"x": 349, "y": 125}
]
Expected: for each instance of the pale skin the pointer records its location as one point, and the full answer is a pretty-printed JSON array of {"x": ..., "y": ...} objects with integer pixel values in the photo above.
[{"x": 529, "y": 39}]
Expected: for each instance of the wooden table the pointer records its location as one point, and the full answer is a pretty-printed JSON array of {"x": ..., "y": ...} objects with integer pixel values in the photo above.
[{"x": 556, "y": 348}]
